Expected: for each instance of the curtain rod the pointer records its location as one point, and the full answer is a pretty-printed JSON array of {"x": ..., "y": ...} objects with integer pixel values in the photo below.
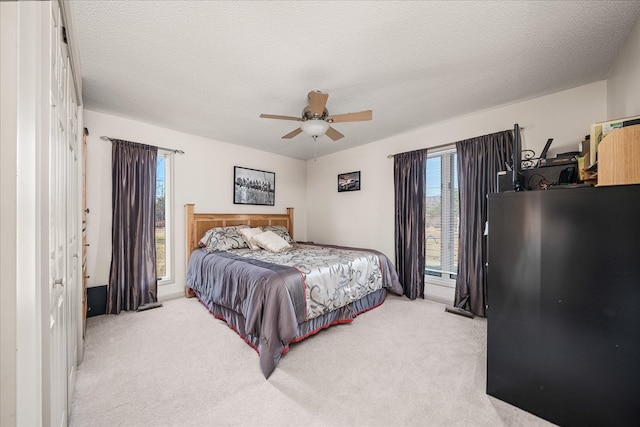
[
  {"x": 106, "y": 138},
  {"x": 390, "y": 156}
]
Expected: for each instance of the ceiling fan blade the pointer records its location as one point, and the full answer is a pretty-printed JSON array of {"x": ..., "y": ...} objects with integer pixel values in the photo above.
[
  {"x": 273, "y": 116},
  {"x": 361, "y": 116},
  {"x": 292, "y": 134},
  {"x": 317, "y": 102},
  {"x": 334, "y": 134}
]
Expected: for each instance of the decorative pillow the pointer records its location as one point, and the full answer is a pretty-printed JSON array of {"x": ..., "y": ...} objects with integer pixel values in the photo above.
[
  {"x": 223, "y": 238},
  {"x": 281, "y": 231},
  {"x": 248, "y": 233},
  {"x": 270, "y": 241}
]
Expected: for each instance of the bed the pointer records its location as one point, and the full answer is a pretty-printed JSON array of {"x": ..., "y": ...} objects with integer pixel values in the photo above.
[{"x": 271, "y": 297}]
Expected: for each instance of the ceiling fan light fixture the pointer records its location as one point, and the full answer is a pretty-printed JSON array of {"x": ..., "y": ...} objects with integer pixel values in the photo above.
[{"x": 314, "y": 127}]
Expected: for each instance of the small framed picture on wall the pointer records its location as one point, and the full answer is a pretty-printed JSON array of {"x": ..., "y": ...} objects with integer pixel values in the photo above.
[
  {"x": 349, "y": 181},
  {"x": 253, "y": 187}
]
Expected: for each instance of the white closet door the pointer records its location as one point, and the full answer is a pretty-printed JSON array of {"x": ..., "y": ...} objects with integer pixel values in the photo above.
[
  {"x": 73, "y": 288},
  {"x": 57, "y": 225}
]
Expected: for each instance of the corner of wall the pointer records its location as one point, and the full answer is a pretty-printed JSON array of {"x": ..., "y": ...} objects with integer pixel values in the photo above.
[{"x": 623, "y": 81}]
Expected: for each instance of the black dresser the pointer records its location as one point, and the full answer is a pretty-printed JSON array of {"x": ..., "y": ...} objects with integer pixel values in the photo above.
[{"x": 564, "y": 304}]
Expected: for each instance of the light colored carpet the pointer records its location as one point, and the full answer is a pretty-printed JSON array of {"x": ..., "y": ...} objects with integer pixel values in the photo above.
[{"x": 406, "y": 363}]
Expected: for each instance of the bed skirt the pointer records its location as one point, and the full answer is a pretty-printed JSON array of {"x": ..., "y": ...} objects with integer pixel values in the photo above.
[{"x": 271, "y": 353}]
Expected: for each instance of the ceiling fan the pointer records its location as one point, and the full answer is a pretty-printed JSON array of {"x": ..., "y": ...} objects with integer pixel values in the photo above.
[{"x": 316, "y": 119}]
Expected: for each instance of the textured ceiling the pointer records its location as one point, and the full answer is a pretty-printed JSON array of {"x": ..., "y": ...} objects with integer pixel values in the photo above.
[{"x": 210, "y": 68}]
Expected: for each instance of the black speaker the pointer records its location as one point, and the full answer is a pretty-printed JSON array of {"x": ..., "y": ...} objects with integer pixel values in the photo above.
[
  {"x": 96, "y": 300},
  {"x": 568, "y": 176},
  {"x": 505, "y": 181}
]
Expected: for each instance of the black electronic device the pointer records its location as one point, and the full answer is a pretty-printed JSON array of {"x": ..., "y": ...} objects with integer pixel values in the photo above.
[
  {"x": 568, "y": 154},
  {"x": 540, "y": 178},
  {"x": 558, "y": 161},
  {"x": 96, "y": 300},
  {"x": 517, "y": 158},
  {"x": 543, "y": 155},
  {"x": 505, "y": 181},
  {"x": 568, "y": 175}
]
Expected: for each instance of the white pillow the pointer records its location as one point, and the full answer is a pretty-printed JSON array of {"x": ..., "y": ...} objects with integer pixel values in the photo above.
[
  {"x": 247, "y": 235},
  {"x": 280, "y": 230},
  {"x": 270, "y": 241}
]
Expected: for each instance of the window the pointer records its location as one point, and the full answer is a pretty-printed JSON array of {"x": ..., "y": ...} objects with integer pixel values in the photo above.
[
  {"x": 164, "y": 217},
  {"x": 442, "y": 218}
]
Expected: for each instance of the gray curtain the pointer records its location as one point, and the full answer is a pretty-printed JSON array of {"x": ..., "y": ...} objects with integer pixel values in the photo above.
[
  {"x": 409, "y": 184},
  {"x": 479, "y": 161},
  {"x": 132, "y": 279}
]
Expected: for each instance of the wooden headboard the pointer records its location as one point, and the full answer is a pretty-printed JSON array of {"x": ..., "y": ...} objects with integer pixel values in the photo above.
[{"x": 198, "y": 223}]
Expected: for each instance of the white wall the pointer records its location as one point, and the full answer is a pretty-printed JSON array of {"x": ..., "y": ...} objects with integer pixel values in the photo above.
[
  {"x": 623, "y": 82},
  {"x": 203, "y": 175},
  {"x": 366, "y": 218},
  {"x": 361, "y": 218}
]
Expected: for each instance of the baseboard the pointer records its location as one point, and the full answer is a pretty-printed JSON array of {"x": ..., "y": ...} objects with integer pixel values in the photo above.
[
  {"x": 171, "y": 296},
  {"x": 437, "y": 299},
  {"x": 439, "y": 293}
]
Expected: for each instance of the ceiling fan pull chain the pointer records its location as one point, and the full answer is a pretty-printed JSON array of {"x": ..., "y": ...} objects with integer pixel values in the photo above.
[{"x": 315, "y": 148}]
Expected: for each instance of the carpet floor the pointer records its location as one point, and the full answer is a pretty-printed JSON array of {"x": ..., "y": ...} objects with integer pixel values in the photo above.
[{"x": 406, "y": 363}]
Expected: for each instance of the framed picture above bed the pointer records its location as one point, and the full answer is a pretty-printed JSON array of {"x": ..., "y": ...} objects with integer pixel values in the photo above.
[
  {"x": 349, "y": 181},
  {"x": 253, "y": 187}
]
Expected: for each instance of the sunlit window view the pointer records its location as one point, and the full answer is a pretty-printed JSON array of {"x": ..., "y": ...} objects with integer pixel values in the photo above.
[
  {"x": 163, "y": 220},
  {"x": 442, "y": 215}
]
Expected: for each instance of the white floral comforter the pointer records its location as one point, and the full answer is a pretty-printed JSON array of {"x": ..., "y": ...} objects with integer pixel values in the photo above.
[{"x": 333, "y": 277}]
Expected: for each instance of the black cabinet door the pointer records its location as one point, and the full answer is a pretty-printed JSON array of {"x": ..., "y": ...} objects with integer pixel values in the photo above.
[{"x": 564, "y": 304}]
